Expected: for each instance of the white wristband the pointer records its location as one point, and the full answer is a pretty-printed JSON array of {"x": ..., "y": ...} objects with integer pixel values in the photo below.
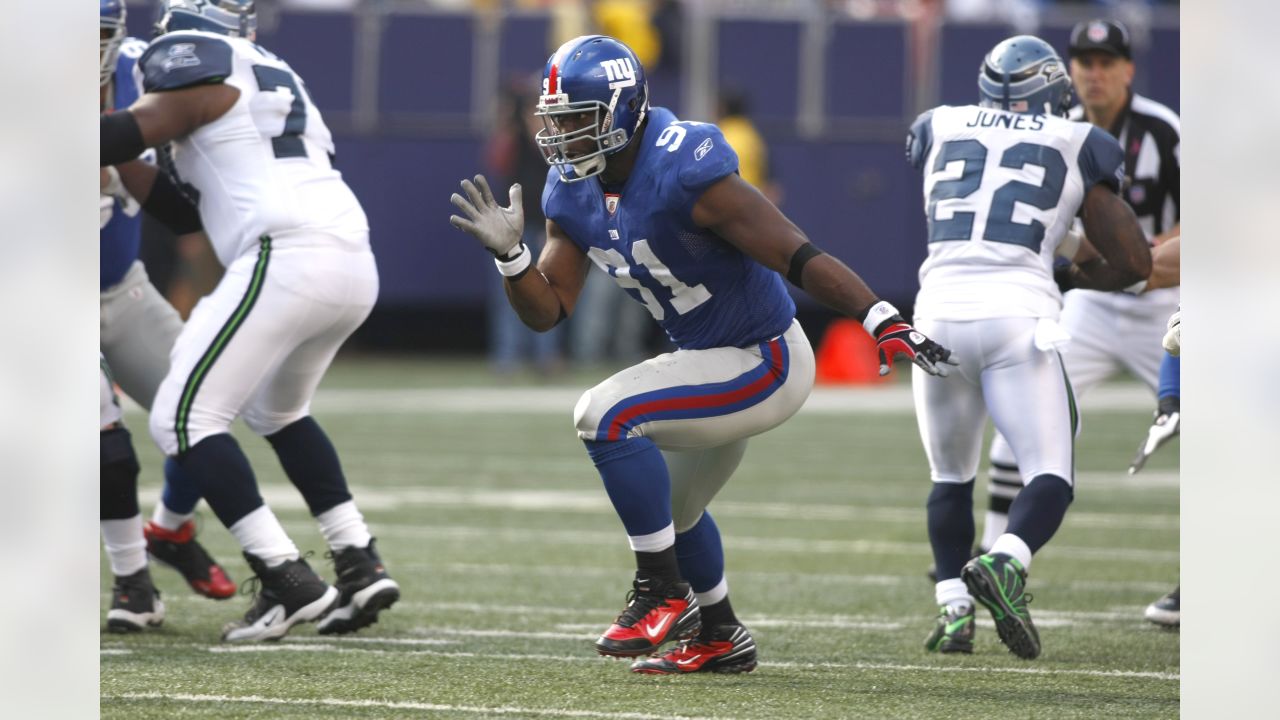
[
  {"x": 516, "y": 265},
  {"x": 878, "y": 313},
  {"x": 115, "y": 187},
  {"x": 1136, "y": 288}
]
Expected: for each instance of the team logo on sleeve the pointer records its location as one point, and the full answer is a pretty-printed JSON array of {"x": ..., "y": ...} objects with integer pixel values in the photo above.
[
  {"x": 181, "y": 55},
  {"x": 702, "y": 150}
]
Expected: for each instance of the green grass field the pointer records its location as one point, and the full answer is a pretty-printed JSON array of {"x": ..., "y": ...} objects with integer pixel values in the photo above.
[{"x": 491, "y": 517}]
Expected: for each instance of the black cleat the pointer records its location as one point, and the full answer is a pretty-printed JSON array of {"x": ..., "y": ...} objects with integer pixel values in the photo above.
[
  {"x": 730, "y": 649},
  {"x": 289, "y": 593},
  {"x": 953, "y": 632},
  {"x": 135, "y": 604},
  {"x": 999, "y": 582},
  {"x": 1165, "y": 610},
  {"x": 366, "y": 590}
]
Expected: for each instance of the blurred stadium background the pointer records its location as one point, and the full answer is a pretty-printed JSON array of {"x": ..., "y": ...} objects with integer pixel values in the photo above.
[{"x": 411, "y": 90}]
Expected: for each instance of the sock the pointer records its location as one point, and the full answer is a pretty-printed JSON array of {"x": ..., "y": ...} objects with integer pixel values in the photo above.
[
  {"x": 950, "y": 521},
  {"x": 1170, "y": 380},
  {"x": 221, "y": 471},
  {"x": 261, "y": 535},
  {"x": 1039, "y": 510},
  {"x": 660, "y": 565},
  {"x": 312, "y": 464},
  {"x": 180, "y": 493},
  {"x": 1005, "y": 482},
  {"x": 952, "y": 592},
  {"x": 1010, "y": 544},
  {"x": 165, "y": 517},
  {"x": 715, "y": 614},
  {"x": 343, "y": 527},
  {"x": 126, "y": 548},
  {"x": 117, "y": 475},
  {"x": 701, "y": 556},
  {"x": 636, "y": 479}
]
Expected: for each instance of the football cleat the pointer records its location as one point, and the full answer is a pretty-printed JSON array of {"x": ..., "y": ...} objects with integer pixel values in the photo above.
[
  {"x": 179, "y": 550},
  {"x": 1165, "y": 610},
  {"x": 288, "y": 594},
  {"x": 655, "y": 613},
  {"x": 953, "y": 632},
  {"x": 999, "y": 582},
  {"x": 135, "y": 603},
  {"x": 730, "y": 649},
  {"x": 366, "y": 589}
]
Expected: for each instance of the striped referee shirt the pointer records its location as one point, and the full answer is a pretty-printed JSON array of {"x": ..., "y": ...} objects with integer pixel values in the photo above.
[{"x": 1151, "y": 136}]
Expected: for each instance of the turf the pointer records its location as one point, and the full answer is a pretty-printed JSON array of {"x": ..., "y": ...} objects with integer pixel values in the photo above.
[{"x": 511, "y": 561}]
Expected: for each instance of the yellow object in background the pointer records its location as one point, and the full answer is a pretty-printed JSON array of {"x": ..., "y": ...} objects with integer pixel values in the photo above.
[
  {"x": 753, "y": 156},
  {"x": 630, "y": 21}
]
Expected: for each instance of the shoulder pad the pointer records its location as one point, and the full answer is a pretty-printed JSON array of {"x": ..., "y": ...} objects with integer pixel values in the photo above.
[
  {"x": 180, "y": 60},
  {"x": 1101, "y": 160},
  {"x": 920, "y": 139},
  {"x": 701, "y": 153}
]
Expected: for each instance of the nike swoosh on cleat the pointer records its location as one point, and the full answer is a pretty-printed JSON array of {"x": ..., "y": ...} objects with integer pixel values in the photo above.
[
  {"x": 654, "y": 631},
  {"x": 956, "y": 625},
  {"x": 690, "y": 660}
]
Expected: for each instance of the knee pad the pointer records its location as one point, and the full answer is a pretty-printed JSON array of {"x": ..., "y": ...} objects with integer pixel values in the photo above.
[{"x": 117, "y": 475}]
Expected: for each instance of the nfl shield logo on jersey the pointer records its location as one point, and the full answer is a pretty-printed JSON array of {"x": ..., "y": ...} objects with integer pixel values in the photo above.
[{"x": 611, "y": 202}]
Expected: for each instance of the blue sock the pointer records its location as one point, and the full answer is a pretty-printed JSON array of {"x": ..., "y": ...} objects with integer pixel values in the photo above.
[
  {"x": 219, "y": 468},
  {"x": 1169, "y": 390},
  {"x": 1038, "y": 510},
  {"x": 312, "y": 464},
  {"x": 951, "y": 529},
  {"x": 700, "y": 554},
  {"x": 180, "y": 493},
  {"x": 636, "y": 479}
]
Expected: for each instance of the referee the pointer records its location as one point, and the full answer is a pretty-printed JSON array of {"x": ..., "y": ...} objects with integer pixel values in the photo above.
[{"x": 1110, "y": 331}]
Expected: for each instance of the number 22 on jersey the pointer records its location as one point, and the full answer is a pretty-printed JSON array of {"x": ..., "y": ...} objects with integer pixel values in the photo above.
[{"x": 971, "y": 155}]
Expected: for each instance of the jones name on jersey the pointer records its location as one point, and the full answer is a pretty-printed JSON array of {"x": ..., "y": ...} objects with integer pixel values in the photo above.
[
  {"x": 265, "y": 166},
  {"x": 1001, "y": 189}
]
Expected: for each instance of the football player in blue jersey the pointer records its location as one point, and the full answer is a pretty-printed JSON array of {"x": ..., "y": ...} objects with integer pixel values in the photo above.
[
  {"x": 658, "y": 204},
  {"x": 138, "y": 326}
]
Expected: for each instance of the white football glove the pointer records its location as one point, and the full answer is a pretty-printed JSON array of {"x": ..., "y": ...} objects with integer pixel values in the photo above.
[
  {"x": 1173, "y": 338},
  {"x": 497, "y": 228},
  {"x": 1164, "y": 429},
  {"x": 106, "y": 206}
]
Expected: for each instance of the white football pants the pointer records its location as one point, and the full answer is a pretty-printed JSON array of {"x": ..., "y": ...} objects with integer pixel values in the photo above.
[
  {"x": 1004, "y": 374},
  {"x": 699, "y": 407},
  {"x": 258, "y": 345}
]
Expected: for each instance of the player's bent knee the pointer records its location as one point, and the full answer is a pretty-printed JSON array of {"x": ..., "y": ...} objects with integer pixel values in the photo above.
[
  {"x": 586, "y": 416},
  {"x": 265, "y": 424}
]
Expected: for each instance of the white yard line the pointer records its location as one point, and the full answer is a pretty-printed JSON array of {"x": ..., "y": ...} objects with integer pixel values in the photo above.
[
  {"x": 391, "y": 705},
  {"x": 893, "y": 399}
]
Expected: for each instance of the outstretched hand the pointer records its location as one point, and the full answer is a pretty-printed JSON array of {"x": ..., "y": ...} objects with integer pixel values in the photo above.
[
  {"x": 899, "y": 338},
  {"x": 497, "y": 228}
]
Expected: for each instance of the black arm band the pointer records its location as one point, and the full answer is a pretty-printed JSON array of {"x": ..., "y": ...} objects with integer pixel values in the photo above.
[
  {"x": 167, "y": 204},
  {"x": 120, "y": 138},
  {"x": 802, "y": 255}
]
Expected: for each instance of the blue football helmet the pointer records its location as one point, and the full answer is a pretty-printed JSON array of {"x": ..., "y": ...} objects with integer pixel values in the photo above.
[
  {"x": 237, "y": 18},
  {"x": 111, "y": 15},
  {"x": 1025, "y": 75},
  {"x": 591, "y": 74}
]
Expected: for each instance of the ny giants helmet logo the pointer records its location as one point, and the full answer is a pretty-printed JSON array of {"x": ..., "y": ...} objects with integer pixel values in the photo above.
[{"x": 621, "y": 72}]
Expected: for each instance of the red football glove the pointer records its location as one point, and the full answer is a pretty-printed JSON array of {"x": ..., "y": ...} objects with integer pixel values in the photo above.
[{"x": 895, "y": 337}]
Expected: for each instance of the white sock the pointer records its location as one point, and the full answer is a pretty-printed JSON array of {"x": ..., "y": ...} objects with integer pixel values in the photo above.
[
  {"x": 994, "y": 526},
  {"x": 261, "y": 535},
  {"x": 168, "y": 519},
  {"x": 714, "y": 595},
  {"x": 126, "y": 548},
  {"x": 952, "y": 592},
  {"x": 654, "y": 542},
  {"x": 1013, "y": 545},
  {"x": 343, "y": 527}
]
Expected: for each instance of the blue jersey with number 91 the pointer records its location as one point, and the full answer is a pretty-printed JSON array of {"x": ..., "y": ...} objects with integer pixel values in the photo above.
[{"x": 703, "y": 291}]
